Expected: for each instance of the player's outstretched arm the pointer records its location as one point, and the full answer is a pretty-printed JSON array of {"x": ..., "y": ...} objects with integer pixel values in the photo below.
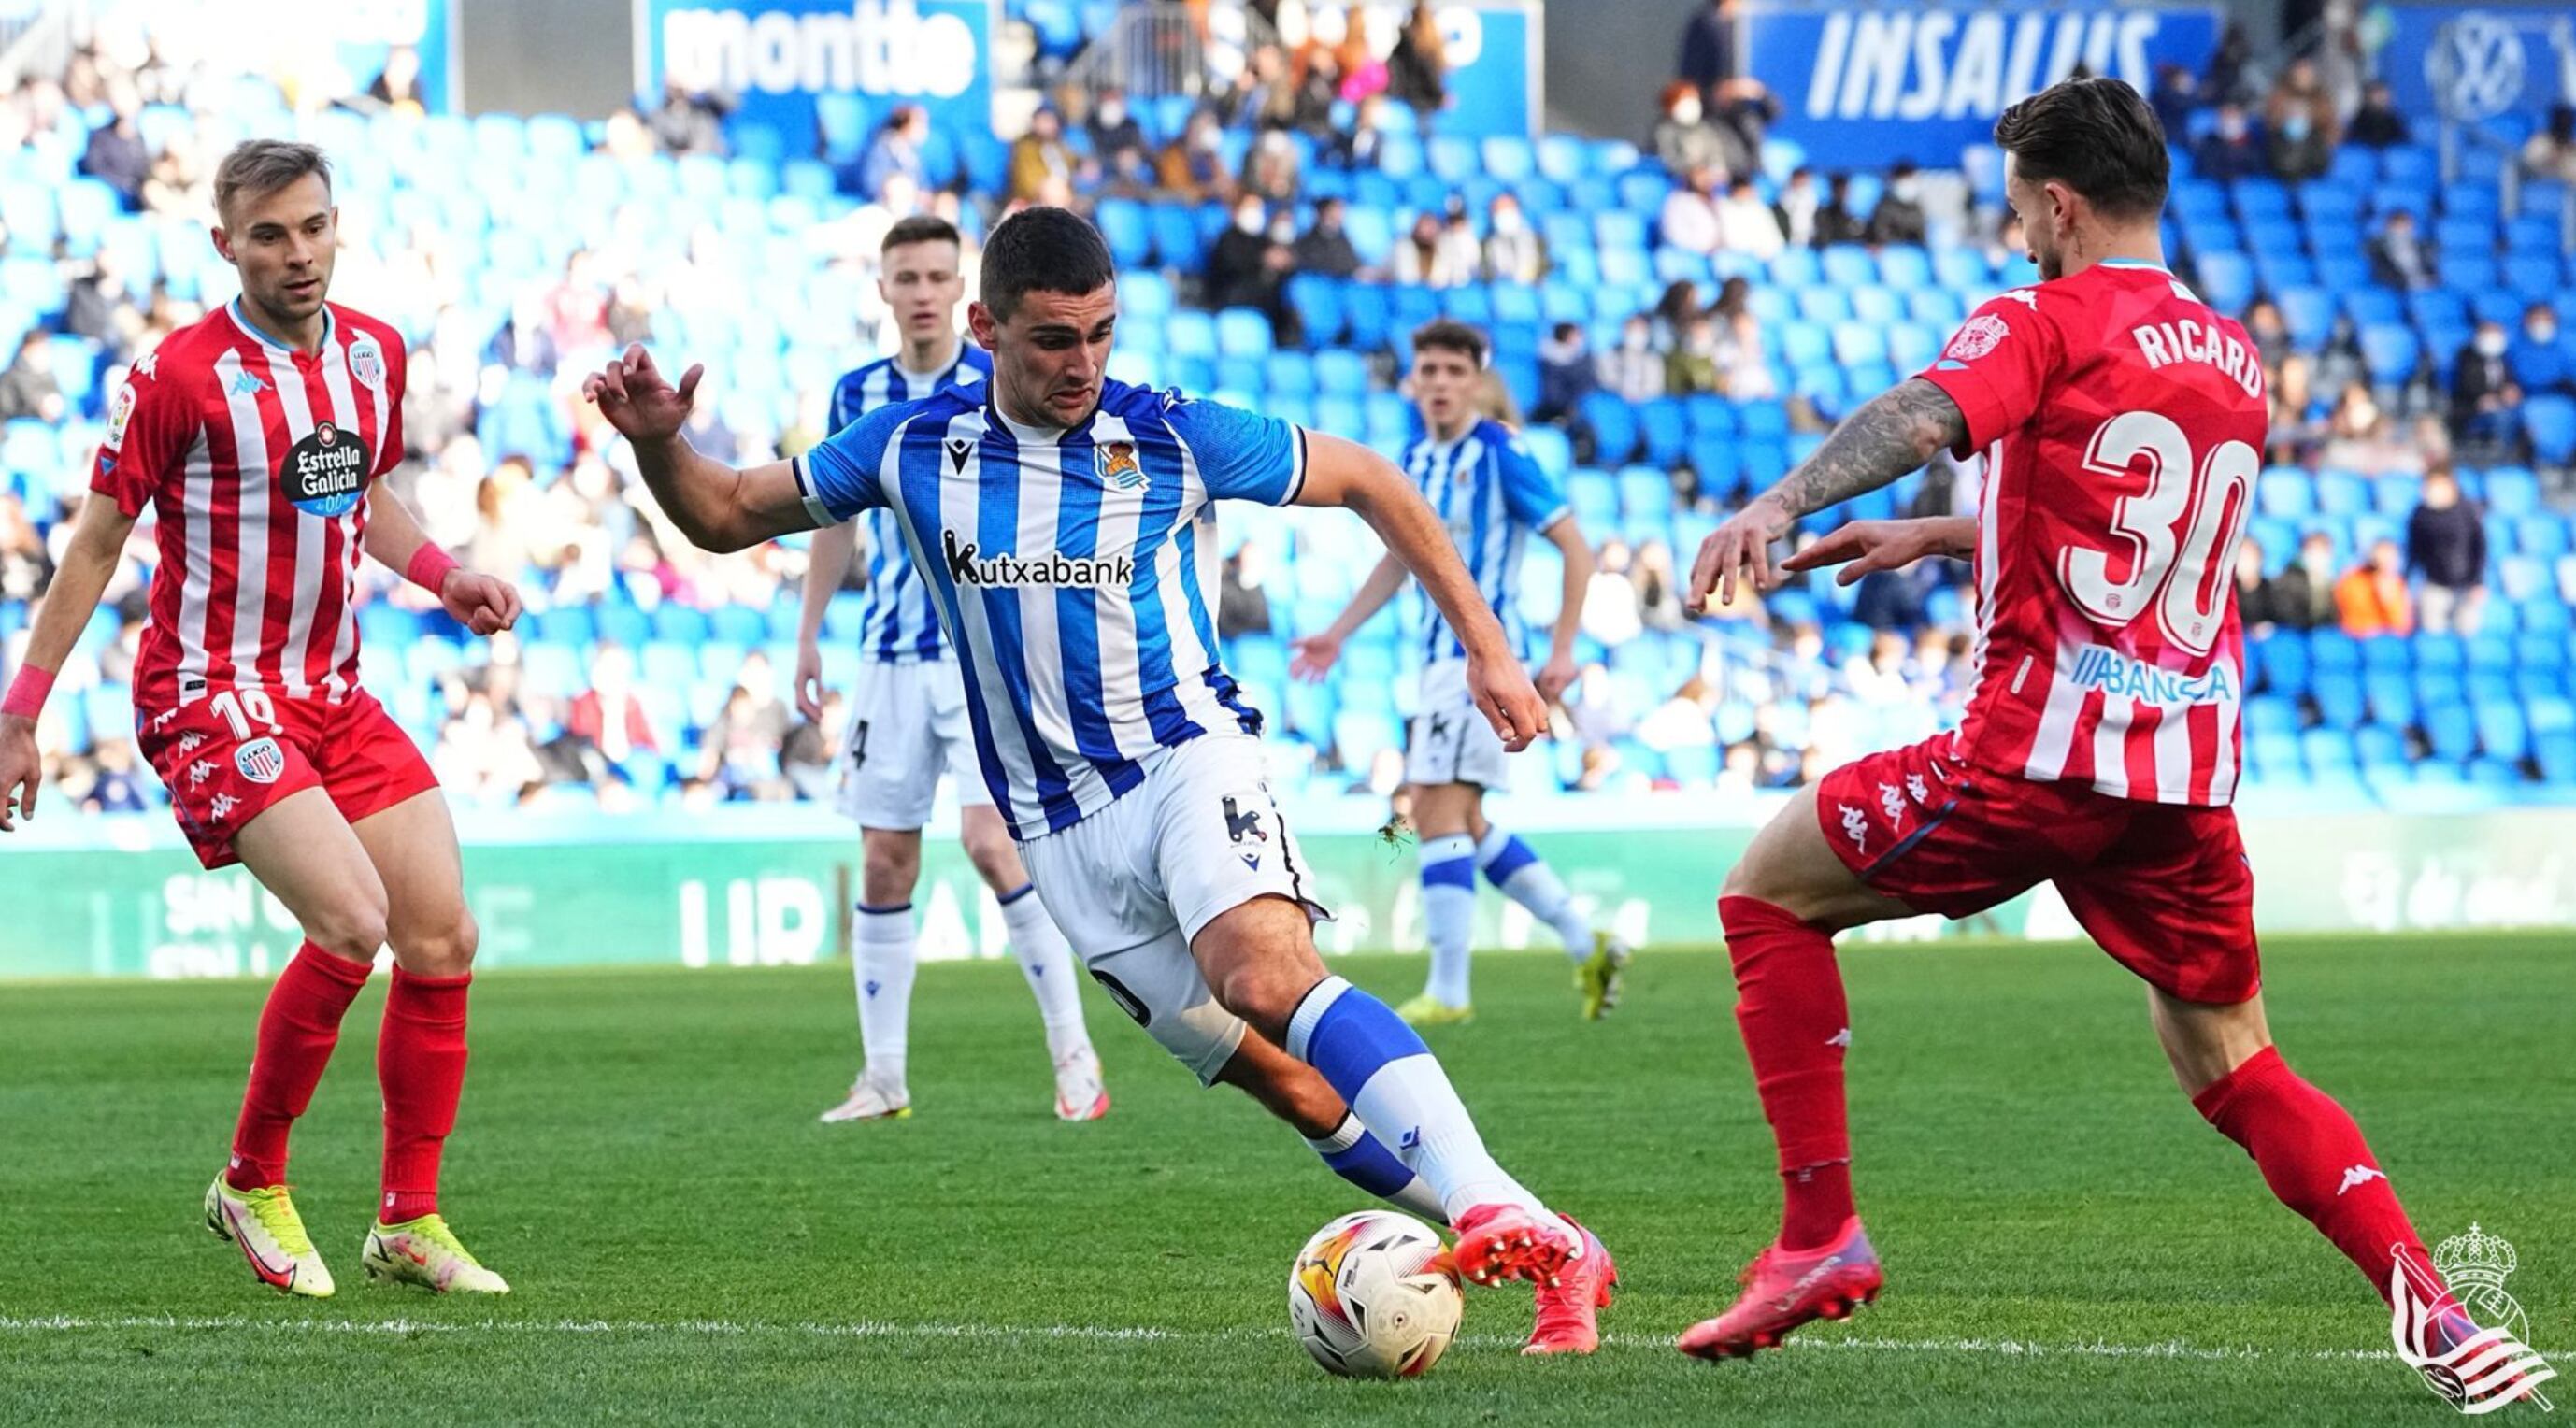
[
  {"x": 1349, "y": 475},
  {"x": 827, "y": 564},
  {"x": 98, "y": 538},
  {"x": 1895, "y": 432},
  {"x": 485, "y": 604},
  {"x": 1567, "y": 536},
  {"x": 1311, "y": 657},
  {"x": 715, "y": 506},
  {"x": 1870, "y": 546}
]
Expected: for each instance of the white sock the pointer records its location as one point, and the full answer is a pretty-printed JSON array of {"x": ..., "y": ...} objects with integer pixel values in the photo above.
[
  {"x": 883, "y": 961},
  {"x": 1525, "y": 878},
  {"x": 1047, "y": 962},
  {"x": 1449, "y": 914},
  {"x": 1394, "y": 1084},
  {"x": 1362, "y": 1159}
]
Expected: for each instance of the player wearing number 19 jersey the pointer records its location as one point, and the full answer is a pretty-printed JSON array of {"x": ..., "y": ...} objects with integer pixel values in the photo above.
[{"x": 2121, "y": 421}]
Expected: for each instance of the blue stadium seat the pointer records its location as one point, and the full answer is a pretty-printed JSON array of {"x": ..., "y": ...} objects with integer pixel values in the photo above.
[
  {"x": 1662, "y": 431},
  {"x": 2308, "y": 313},
  {"x": 2549, "y": 420},
  {"x": 1613, "y": 424}
]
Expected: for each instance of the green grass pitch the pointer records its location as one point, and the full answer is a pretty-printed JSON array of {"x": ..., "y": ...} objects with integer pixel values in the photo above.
[{"x": 2066, "y": 1241}]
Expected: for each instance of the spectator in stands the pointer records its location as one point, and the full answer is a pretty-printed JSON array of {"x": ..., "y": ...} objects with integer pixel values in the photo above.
[
  {"x": 1425, "y": 258},
  {"x": 1673, "y": 312},
  {"x": 1743, "y": 111},
  {"x": 397, "y": 85},
  {"x": 117, "y": 155},
  {"x": 2230, "y": 77},
  {"x": 1513, "y": 252},
  {"x": 691, "y": 117},
  {"x": 1692, "y": 365},
  {"x": 2539, "y": 361},
  {"x": 2258, "y": 602},
  {"x": 1363, "y": 74},
  {"x": 1565, "y": 373},
  {"x": 2271, "y": 334},
  {"x": 1899, "y": 217},
  {"x": 2446, "y": 547},
  {"x": 2377, "y": 124},
  {"x": 606, "y": 725},
  {"x": 1744, "y": 361},
  {"x": 115, "y": 787},
  {"x": 743, "y": 746},
  {"x": 2301, "y": 90},
  {"x": 1264, "y": 96},
  {"x": 808, "y": 755},
  {"x": 2303, "y": 595},
  {"x": 1632, "y": 370},
  {"x": 1459, "y": 250},
  {"x": 2360, "y": 435},
  {"x": 1684, "y": 138},
  {"x": 484, "y": 754},
  {"x": 28, "y": 388},
  {"x": 2230, "y": 150},
  {"x": 1709, "y": 56},
  {"x": 1746, "y": 224},
  {"x": 2399, "y": 257},
  {"x": 1270, "y": 168},
  {"x": 1835, "y": 222},
  {"x": 1192, "y": 166},
  {"x": 1120, "y": 156},
  {"x": 25, "y": 565},
  {"x": 1242, "y": 604},
  {"x": 103, "y": 307},
  {"x": 1417, "y": 72},
  {"x": 1324, "y": 247},
  {"x": 2485, "y": 403},
  {"x": 2297, "y": 422},
  {"x": 2371, "y": 598},
  {"x": 1041, "y": 167},
  {"x": 1796, "y": 207},
  {"x": 1310, "y": 111},
  {"x": 2551, "y": 153},
  {"x": 2298, "y": 146},
  {"x": 2176, "y": 99},
  {"x": 896, "y": 149},
  {"x": 1610, "y": 610},
  {"x": 1248, "y": 265},
  {"x": 1689, "y": 219},
  {"x": 1659, "y": 588}
]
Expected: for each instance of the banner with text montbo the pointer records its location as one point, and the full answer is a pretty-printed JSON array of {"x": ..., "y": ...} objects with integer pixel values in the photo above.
[{"x": 776, "y": 56}]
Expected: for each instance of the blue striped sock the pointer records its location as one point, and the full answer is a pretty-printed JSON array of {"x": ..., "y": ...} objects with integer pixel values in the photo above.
[
  {"x": 1521, "y": 875},
  {"x": 1449, "y": 914},
  {"x": 1364, "y": 1160}
]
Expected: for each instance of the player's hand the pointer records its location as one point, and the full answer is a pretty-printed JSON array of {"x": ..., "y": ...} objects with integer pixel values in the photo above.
[
  {"x": 809, "y": 680},
  {"x": 485, "y": 604},
  {"x": 22, "y": 768},
  {"x": 1866, "y": 546},
  {"x": 1313, "y": 657},
  {"x": 1740, "y": 550},
  {"x": 637, "y": 400},
  {"x": 1507, "y": 699},
  {"x": 1554, "y": 676}
]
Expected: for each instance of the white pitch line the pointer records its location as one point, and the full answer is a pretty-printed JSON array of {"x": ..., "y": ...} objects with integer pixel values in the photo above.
[{"x": 1111, "y": 1333}]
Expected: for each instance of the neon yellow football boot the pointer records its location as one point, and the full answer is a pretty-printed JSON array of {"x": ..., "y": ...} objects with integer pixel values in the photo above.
[
  {"x": 271, "y": 1235},
  {"x": 425, "y": 1252},
  {"x": 1428, "y": 1010},
  {"x": 1600, "y": 976}
]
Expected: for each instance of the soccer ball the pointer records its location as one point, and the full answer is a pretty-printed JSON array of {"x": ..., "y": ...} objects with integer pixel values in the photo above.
[{"x": 1374, "y": 1295}]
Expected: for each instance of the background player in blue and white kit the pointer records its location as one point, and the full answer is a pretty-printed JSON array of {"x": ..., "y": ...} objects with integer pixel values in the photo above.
[
  {"x": 1068, "y": 526},
  {"x": 908, "y": 720},
  {"x": 1491, "y": 494}
]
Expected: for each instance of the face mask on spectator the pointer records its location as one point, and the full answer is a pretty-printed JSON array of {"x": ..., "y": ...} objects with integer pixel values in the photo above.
[
  {"x": 2542, "y": 331},
  {"x": 1248, "y": 218},
  {"x": 2490, "y": 344},
  {"x": 2294, "y": 127},
  {"x": 1904, "y": 190},
  {"x": 1686, "y": 111},
  {"x": 1507, "y": 220},
  {"x": 1283, "y": 231},
  {"x": 1112, "y": 114},
  {"x": 2231, "y": 127}
]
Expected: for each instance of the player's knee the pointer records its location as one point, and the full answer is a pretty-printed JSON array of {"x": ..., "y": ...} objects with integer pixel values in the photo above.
[
  {"x": 353, "y": 929},
  {"x": 888, "y": 871},
  {"x": 1263, "y": 994},
  {"x": 995, "y": 859}
]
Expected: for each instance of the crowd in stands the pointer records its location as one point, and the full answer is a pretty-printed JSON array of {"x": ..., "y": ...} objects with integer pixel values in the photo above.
[{"x": 1676, "y": 322}]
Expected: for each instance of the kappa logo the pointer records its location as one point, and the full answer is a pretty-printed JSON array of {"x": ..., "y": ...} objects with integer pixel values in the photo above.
[
  {"x": 2025, "y": 297},
  {"x": 162, "y": 720},
  {"x": 1916, "y": 789},
  {"x": 190, "y": 742},
  {"x": 1891, "y": 803},
  {"x": 148, "y": 365},
  {"x": 246, "y": 385},
  {"x": 959, "y": 448},
  {"x": 1841, "y": 1038},
  {"x": 1118, "y": 465},
  {"x": 1855, "y": 827},
  {"x": 2355, "y": 1176},
  {"x": 222, "y": 807},
  {"x": 200, "y": 771}
]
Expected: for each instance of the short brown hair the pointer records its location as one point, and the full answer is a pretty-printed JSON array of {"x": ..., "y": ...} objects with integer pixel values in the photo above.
[
  {"x": 1448, "y": 334},
  {"x": 2096, "y": 136},
  {"x": 263, "y": 166},
  {"x": 919, "y": 228}
]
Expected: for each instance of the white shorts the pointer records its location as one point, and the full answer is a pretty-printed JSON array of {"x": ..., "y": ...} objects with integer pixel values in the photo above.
[
  {"x": 1449, "y": 741},
  {"x": 907, "y": 727},
  {"x": 1132, "y": 884}
]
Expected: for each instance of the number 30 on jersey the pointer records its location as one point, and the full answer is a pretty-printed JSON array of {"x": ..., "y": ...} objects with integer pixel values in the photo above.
[{"x": 2181, "y": 530}]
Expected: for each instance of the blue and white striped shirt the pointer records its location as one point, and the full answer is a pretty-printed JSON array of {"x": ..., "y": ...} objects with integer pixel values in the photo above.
[
  {"x": 900, "y": 623},
  {"x": 1072, "y": 567},
  {"x": 1491, "y": 493}
]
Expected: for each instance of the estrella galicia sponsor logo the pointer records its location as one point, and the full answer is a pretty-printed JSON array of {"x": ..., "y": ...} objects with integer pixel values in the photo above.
[
  {"x": 968, "y": 565},
  {"x": 326, "y": 472},
  {"x": 2112, "y": 672}
]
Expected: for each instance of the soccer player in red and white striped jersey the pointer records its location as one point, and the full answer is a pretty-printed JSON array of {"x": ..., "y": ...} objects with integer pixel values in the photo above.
[
  {"x": 2122, "y": 423},
  {"x": 255, "y": 437}
]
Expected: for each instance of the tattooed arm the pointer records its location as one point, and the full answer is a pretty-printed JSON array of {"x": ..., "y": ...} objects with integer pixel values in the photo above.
[{"x": 1896, "y": 432}]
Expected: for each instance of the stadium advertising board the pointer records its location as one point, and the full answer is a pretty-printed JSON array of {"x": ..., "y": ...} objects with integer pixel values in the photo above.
[
  {"x": 2474, "y": 63},
  {"x": 775, "y": 56},
  {"x": 1866, "y": 84},
  {"x": 1494, "y": 80}
]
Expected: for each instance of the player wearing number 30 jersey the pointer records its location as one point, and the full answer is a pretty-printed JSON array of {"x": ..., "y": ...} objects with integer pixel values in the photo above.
[{"x": 2122, "y": 423}]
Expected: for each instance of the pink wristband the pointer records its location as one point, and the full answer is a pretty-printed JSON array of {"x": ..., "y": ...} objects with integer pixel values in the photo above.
[
  {"x": 27, "y": 692},
  {"x": 429, "y": 567}
]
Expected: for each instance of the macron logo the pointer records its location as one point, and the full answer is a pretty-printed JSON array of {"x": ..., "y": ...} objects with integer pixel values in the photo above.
[
  {"x": 2357, "y": 1175},
  {"x": 967, "y": 565}
]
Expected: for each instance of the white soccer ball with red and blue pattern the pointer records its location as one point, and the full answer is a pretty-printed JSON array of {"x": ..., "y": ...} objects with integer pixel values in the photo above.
[{"x": 1375, "y": 1295}]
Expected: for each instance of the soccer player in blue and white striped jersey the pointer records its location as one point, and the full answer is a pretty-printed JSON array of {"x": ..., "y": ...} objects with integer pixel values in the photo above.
[
  {"x": 1067, "y": 524},
  {"x": 908, "y": 721},
  {"x": 1492, "y": 494}
]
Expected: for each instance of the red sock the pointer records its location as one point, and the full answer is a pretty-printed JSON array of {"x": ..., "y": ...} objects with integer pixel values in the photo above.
[
  {"x": 420, "y": 1061},
  {"x": 2313, "y": 1157},
  {"x": 297, "y": 1030},
  {"x": 1789, "y": 1003}
]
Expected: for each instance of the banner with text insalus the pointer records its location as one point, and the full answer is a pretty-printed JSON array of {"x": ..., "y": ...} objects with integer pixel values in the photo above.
[{"x": 660, "y": 895}]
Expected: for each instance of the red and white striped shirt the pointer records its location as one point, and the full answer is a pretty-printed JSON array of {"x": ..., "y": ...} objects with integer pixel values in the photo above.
[
  {"x": 2123, "y": 423},
  {"x": 255, "y": 459}
]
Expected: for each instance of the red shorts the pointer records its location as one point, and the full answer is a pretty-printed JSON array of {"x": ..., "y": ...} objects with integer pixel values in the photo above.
[
  {"x": 2165, "y": 888},
  {"x": 227, "y": 756}
]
